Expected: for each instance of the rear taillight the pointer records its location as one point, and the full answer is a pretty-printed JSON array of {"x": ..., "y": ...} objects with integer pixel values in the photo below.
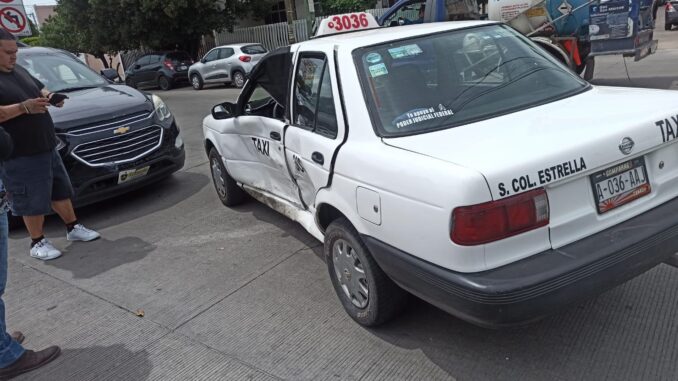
[
  {"x": 245, "y": 58},
  {"x": 168, "y": 64},
  {"x": 495, "y": 220},
  {"x": 670, "y": 8}
]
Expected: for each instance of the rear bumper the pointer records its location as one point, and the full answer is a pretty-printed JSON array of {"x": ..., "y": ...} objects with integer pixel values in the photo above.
[
  {"x": 534, "y": 287},
  {"x": 671, "y": 18}
]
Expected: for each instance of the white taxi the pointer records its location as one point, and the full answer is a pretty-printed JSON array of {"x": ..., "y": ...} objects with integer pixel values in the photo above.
[{"x": 454, "y": 161}]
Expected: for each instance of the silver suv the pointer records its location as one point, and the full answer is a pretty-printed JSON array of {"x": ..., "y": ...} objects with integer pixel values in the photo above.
[{"x": 226, "y": 64}]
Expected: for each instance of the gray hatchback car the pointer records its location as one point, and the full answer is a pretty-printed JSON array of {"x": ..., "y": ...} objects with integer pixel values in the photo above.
[{"x": 228, "y": 64}]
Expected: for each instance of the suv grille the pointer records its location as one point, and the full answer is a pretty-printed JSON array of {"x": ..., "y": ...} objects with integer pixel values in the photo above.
[
  {"x": 120, "y": 149},
  {"x": 109, "y": 125}
]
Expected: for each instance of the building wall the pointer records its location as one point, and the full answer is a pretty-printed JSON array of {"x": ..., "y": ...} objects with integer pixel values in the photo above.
[{"x": 42, "y": 13}]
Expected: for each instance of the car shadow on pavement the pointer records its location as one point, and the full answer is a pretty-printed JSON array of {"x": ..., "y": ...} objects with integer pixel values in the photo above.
[
  {"x": 95, "y": 363},
  {"x": 87, "y": 260},
  {"x": 604, "y": 338},
  {"x": 130, "y": 206}
]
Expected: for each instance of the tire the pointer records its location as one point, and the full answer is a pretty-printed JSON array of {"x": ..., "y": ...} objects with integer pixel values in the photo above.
[
  {"x": 238, "y": 79},
  {"x": 230, "y": 194},
  {"x": 196, "y": 81},
  {"x": 347, "y": 258},
  {"x": 164, "y": 83},
  {"x": 667, "y": 26}
]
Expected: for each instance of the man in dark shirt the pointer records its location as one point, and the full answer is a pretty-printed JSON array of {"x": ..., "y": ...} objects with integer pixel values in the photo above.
[
  {"x": 34, "y": 175},
  {"x": 14, "y": 359}
]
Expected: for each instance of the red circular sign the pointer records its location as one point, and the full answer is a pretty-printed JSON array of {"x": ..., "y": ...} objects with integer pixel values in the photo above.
[{"x": 12, "y": 20}]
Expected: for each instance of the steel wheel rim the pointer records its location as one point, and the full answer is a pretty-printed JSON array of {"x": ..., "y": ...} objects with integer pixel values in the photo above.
[
  {"x": 239, "y": 80},
  {"x": 350, "y": 273},
  {"x": 164, "y": 83},
  {"x": 195, "y": 81},
  {"x": 218, "y": 179}
]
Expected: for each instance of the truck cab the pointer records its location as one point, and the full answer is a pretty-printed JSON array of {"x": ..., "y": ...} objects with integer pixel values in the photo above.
[{"x": 406, "y": 12}]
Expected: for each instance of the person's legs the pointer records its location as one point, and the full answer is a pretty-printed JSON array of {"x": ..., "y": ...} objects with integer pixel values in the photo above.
[
  {"x": 10, "y": 350},
  {"x": 64, "y": 208},
  {"x": 34, "y": 225}
]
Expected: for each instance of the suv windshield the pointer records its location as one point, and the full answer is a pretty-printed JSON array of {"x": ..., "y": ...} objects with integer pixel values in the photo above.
[
  {"x": 58, "y": 72},
  {"x": 444, "y": 80},
  {"x": 253, "y": 49}
]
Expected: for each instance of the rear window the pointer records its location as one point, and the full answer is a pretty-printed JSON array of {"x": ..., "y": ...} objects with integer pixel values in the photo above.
[
  {"x": 444, "y": 80},
  {"x": 253, "y": 49},
  {"x": 178, "y": 56}
]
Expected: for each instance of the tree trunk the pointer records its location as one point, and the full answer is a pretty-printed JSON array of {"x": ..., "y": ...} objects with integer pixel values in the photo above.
[{"x": 102, "y": 58}]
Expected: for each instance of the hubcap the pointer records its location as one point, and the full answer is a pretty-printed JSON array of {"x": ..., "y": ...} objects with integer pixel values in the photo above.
[
  {"x": 196, "y": 81},
  {"x": 239, "y": 80},
  {"x": 164, "y": 83},
  {"x": 350, "y": 273},
  {"x": 218, "y": 179}
]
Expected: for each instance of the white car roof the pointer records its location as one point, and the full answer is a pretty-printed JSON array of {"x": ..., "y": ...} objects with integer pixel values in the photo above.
[{"x": 354, "y": 40}]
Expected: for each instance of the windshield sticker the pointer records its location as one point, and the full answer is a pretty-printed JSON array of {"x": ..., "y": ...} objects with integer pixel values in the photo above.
[
  {"x": 543, "y": 177},
  {"x": 373, "y": 58},
  {"x": 378, "y": 70},
  {"x": 421, "y": 115},
  {"x": 405, "y": 51},
  {"x": 669, "y": 132}
]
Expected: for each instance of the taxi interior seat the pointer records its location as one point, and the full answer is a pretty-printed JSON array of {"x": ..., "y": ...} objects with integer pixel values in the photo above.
[{"x": 404, "y": 89}]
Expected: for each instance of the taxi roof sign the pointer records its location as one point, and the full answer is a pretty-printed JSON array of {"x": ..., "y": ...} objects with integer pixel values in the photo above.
[{"x": 349, "y": 22}]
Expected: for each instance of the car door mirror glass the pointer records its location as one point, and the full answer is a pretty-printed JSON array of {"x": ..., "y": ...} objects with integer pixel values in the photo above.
[{"x": 223, "y": 111}]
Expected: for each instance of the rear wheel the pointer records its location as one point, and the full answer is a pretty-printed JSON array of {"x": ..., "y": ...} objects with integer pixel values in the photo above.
[
  {"x": 230, "y": 194},
  {"x": 164, "y": 83},
  {"x": 238, "y": 79},
  {"x": 667, "y": 26},
  {"x": 130, "y": 82},
  {"x": 14, "y": 221},
  {"x": 196, "y": 81},
  {"x": 368, "y": 295}
]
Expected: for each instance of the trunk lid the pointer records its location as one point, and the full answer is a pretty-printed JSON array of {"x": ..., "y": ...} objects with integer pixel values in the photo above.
[{"x": 559, "y": 146}]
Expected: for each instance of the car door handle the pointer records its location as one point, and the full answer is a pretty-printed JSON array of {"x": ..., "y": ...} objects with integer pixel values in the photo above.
[
  {"x": 318, "y": 158},
  {"x": 275, "y": 135}
]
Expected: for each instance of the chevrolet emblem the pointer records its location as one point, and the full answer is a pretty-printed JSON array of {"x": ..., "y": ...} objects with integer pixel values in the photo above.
[{"x": 120, "y": 131}]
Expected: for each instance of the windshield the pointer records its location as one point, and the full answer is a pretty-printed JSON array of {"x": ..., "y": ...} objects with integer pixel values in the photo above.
[
  {"x": 444, "y": 80},
  {"x": 253, "y": 49},
  {"x": 59, "y": 72}
]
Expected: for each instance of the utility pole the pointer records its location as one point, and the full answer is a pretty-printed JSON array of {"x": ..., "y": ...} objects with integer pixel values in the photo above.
[
  {"x": 311, "y": 17},
  {"x": 289, "y": 11}
]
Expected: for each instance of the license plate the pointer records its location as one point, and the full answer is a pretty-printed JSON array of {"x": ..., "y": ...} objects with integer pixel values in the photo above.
[
  {"x": 131, "y": 174},
  {"x": 619, "y": 185}
]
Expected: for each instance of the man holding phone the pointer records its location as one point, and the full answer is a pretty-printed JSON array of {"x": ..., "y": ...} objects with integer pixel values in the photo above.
[{"x": 34, "y": 175}]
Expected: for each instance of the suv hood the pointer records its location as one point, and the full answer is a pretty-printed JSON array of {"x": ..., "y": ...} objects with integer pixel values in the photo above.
[
  {"x": 556, "y": 141},
  {"x": 97, "y": 104}
]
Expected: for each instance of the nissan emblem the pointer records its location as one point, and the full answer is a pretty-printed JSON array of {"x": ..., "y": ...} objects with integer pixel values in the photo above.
[{"x": 626, "y": 145}]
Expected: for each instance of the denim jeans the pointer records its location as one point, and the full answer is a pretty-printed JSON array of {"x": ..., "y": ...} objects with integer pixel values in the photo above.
[{"x": 10, "y": 350}]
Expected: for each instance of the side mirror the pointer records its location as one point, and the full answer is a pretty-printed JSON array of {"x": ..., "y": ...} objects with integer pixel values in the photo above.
[
  {"x": 204, "y": 60},
  {"x": 110, "y": 74},
  {"x": 223, "y": 111},
  {"x": 137, "y": 67}
]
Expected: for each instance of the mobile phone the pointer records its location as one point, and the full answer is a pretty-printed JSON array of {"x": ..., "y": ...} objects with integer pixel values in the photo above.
[{"x": 57, "y": 98}]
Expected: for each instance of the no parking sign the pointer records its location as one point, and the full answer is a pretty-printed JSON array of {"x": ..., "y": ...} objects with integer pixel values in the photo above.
[{"x": 13, "y": 18}]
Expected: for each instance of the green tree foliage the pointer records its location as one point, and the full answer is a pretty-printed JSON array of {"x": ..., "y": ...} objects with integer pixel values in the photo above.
[
  {"x": 333, "y": 7},
  {"x": 103, "y": 26}
]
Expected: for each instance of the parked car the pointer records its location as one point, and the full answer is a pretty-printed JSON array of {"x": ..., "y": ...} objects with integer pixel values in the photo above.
[
  {"x": 670, "y": 14},
  {"x": 228, "y": 64},
  {"x": 162, "y": 69},
  {"x": 495, "y": 184},
  {"x": 112, "y": 138}
]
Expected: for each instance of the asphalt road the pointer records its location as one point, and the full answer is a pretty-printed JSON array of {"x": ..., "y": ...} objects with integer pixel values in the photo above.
[{"x": 243, "y": 294}]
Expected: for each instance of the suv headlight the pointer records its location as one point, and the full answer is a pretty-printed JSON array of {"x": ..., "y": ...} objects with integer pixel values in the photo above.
[{"x": 161, "y": 110}]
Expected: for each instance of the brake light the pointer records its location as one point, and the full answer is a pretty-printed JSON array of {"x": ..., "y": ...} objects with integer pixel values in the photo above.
[
  {"x": 168, "y": 64},
  {"x": 670, "y": 8},
  {"x": 495, "y": 220},
  {"x": 245, "y": 58}
]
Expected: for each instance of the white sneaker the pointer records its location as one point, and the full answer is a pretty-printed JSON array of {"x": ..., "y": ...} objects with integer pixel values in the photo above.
[
  {"x": 44, "y": 250},
  {"x": 81, "y": 233}
]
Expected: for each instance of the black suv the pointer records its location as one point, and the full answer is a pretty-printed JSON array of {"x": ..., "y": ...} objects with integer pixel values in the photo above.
[
  {"x": 112, "y": 138},
  {"x": 164, "y": 69}
]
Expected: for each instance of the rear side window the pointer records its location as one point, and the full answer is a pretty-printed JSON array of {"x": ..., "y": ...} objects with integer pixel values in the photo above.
[
  {"x": 225, "y": 53},
  {"x": 155, "y": 58},
  {"x": 143, "y": 61},
  {"x": 254, "y": 49},
  {"x": 313, "y": 98}
]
